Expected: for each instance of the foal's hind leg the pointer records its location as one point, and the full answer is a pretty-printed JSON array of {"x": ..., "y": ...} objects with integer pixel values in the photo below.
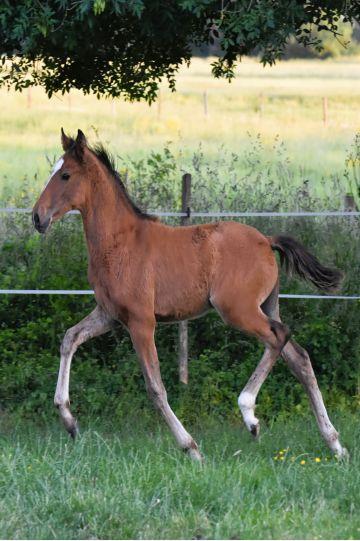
[
  {"x": 95, "y": 324},
  {"x": 299, "y": 363},
  {"x": 274, "y": 343},
  {"x": 274, "y": 335}
]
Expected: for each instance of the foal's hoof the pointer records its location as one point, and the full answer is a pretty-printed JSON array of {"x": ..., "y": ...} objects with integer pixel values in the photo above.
[
  {"x": 73, "y": 430},
  {"x": 255, "y": 430},
  {"x": 195, "y": 455},
  {"x": 343, "y": 455}
]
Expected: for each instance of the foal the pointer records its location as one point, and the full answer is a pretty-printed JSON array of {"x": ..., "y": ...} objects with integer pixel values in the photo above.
[{"x": 143, "y": 272}]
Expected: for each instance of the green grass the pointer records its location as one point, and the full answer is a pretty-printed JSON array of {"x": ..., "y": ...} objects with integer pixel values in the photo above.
[
  {"x": 132, "y": 482},
  {"x": 284, "y": 100}
]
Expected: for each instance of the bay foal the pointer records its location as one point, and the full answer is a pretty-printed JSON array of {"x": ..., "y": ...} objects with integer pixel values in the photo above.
[{"x": 143, "y": 272}]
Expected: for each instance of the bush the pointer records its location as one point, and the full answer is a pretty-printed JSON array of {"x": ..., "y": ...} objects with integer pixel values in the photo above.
[{"x": 106, "y": 378}]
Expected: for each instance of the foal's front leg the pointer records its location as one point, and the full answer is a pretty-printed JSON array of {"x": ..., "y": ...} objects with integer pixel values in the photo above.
[
  {"x": 142, "y": 335},
  {"x": 95, "y": 324}
]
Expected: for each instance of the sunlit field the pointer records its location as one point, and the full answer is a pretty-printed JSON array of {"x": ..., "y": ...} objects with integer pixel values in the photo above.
[{"x": 312, "y": 106}]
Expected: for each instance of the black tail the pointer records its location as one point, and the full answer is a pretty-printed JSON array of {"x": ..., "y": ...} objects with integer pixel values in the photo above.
[{"x": 297, "y": 259}]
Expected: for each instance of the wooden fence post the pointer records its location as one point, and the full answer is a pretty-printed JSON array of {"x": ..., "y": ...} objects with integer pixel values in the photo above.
[
  {"x": 29, "y": 97},
  {"x": 325, "y": 110},
  {"x": 183, "y": 325},
  {"x": 205, "y": 100},
  {"x": 349, "y": 203}
]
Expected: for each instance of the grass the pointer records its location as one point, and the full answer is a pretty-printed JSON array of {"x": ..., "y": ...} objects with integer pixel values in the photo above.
[
  {"x": 131, "y": 482},
  {"x": 284, "y": 101}
]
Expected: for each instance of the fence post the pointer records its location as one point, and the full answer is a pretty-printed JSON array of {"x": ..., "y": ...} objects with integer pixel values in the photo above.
[
  {"x": 205, "y": 101},
  {"x": 29, "y": 97},
  {"x": 183, "y": 325},
  {"x": 325, "y": 110},
  {"x": 349, "y": 203}
]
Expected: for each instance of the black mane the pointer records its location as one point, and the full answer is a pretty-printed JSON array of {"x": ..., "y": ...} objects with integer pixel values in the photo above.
[{"x": 108, "y": 161}]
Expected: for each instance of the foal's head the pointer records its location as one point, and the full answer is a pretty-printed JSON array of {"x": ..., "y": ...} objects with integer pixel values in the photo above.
[{"x": 68, "y": 184}]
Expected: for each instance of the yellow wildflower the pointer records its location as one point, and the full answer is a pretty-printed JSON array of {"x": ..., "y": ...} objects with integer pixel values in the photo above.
[
  {"x": 302, "y": 462},
  {"x": 317, "y": 459}
]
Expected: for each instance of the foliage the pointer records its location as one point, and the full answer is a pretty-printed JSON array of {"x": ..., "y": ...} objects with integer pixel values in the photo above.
[
  {"x": 113, "y": 47},
  {"x": 352, "y": 171},
  {"x": 128, "y": 480},
  {"x": 343, "y": 44},
  {"x": 105, "y": 375}
]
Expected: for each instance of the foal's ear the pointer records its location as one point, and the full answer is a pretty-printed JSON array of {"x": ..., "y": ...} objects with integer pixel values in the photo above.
[
  {"x": 80, "y": 144},
  {"x": 66, "y": 141}
]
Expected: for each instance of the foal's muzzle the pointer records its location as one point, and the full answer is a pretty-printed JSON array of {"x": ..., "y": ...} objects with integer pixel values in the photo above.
[{"x": 38, "y": 224}]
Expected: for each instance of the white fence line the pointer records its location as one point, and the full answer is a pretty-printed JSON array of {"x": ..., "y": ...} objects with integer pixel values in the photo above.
[
  {"x": 348, "y": 214},
  {"x": 218, "y": 214},
  {"x": 91, "y": 292}
]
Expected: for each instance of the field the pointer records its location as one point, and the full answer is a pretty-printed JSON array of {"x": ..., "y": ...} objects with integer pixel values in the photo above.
[
  {"x": 282, "y": 103},
  {"x": 275, "y": 139},
  {"x": 118, "y": 483}
]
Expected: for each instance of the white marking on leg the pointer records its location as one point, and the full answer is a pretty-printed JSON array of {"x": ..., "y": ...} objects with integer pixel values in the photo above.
[
  {"x": 246, "y": 403},
  {"x": 248, "y": 396}
]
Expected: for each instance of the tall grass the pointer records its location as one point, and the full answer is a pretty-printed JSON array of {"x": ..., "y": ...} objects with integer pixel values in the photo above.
[{"x": 130, "y": 482}]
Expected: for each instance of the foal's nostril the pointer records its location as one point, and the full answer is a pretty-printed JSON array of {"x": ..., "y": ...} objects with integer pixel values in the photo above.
[{"x": 36, "y": 219}]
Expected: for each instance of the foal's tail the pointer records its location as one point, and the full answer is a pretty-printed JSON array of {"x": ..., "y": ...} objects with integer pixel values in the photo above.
[{"x": 299, "y": 260}]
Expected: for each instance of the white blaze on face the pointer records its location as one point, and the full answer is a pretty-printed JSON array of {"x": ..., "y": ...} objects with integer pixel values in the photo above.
[{"x": 55, "y": 169}]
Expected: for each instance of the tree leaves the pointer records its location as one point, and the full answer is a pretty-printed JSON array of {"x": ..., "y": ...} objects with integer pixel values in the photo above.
[{"x": 116, "y": 47}]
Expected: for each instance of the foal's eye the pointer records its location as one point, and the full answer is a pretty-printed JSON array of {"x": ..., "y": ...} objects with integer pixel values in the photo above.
[{"x": 65, "y": 176}]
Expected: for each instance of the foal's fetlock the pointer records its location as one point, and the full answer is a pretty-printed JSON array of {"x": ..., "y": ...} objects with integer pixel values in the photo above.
[
  {"x": 193, "y": 452},
  {"x": 246, "y": 403},
  {"x": 69, "y": 422},
  {"x": 255, "y": 430},
  {"x": 338, "y": 450}
]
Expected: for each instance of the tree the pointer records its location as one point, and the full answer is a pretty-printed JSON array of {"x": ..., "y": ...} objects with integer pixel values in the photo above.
[{"x": 122, "y": 47}]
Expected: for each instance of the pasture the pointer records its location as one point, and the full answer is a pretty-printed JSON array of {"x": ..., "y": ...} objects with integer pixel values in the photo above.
[
  {"x": 283, "y": 104},
  {"x": 122, "y": 482},
  {"x": 261, "y": 143}
]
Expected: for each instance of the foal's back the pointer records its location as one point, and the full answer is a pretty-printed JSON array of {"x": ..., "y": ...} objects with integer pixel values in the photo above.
[{"x": 196, "y": 267}]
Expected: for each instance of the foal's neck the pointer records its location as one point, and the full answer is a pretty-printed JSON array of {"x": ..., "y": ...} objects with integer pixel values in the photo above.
[{"x": 107, "y": 213}]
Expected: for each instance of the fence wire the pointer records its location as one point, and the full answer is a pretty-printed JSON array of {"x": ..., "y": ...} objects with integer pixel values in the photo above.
[{"x": 194, "y": 214}]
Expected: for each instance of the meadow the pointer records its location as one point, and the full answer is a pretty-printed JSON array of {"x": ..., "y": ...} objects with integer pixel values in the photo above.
[
  {"x": 118, "y": 482},
  {"x": 283, "y": 104},
  {"x": 260, "y": 143}
]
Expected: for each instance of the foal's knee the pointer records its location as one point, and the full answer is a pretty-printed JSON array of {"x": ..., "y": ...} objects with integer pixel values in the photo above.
[{"x": 69, "y": 341}]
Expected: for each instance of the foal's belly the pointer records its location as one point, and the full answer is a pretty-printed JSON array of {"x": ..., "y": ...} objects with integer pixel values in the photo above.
[{"x": 181, "y": 315}]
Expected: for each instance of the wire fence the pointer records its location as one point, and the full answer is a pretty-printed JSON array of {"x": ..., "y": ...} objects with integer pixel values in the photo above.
[{"x": 193, "y": 214}]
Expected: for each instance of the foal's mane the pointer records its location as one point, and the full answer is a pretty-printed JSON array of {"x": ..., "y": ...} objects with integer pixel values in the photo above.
[{"x": 108, "y": 161}]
